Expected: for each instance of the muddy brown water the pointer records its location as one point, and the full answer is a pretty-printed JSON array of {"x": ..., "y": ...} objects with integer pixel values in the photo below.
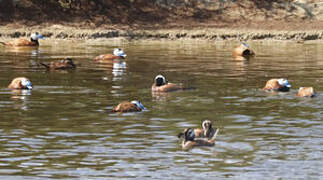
[{"x": 63, "y": 127}]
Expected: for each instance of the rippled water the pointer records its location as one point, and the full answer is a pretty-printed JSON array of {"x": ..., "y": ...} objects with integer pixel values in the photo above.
[{"x": 63, "y": 127}]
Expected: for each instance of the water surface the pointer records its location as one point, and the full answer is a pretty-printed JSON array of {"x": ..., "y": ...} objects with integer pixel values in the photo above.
[{"x": 63, "y": 128}]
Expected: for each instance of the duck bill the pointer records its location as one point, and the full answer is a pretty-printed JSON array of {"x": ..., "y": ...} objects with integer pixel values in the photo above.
[{"x": 40, "y": 36}]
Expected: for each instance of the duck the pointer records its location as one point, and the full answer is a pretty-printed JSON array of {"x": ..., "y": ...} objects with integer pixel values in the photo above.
[
  {"x": 60, "y": 65},
  {"x": 126, "y": 106},
  {"x": 20, "y": 83},
  {"x": 243, "y": 50},
  {"x": 190, "y": 142},
  {"x": 117, "y": 54},
  {"x": 160, "y": 85},
  {"x": 306, "y": 92},
  {"x": 207, "y": 130},
  {"x": 281, "y": 85},
  {"x": 24, "y": 42}
]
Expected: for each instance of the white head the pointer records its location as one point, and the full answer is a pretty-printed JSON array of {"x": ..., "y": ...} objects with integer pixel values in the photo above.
[
  {"x": 284, "y": 82},
  {"x": 206, "y": 124},
  {"x": 36, "y": 36},
  {"x": 26, "y": 83},
  {"x": 160, "y": 80},
  {"x": 119, "y": 52},
  {"x": 138, "y": 104}
]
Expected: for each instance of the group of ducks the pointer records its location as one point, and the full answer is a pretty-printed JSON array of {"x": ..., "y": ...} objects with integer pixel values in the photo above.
[{"x": 190, "y": 137}]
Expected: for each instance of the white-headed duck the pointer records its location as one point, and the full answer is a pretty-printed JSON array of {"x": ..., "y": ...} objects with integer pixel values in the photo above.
[
  {"x": 207, "y": 130},
  {"x": 117, "y": 54},
  {"x": 306, "y": 92},
  {"x": 243, "y": 50},
  {"x": 189, "y": 139},
  {"x": 64, "y": 64},
  {"x": 20, "y": 83},
  {"x": 160, "y": 85},
  {"x": 277, "y": 85},
  {"x": 126, "y": 106},
  {"x": 24, "y": 42}
]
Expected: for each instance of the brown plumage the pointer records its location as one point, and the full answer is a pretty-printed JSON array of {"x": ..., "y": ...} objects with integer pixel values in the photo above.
[
  {"x": 21, "y": 42},
  {"x": 117, "y": 54},
  {"x": 20, "y": 83},
  {"x": 60, "y": 65},
  {"x": 277, "y": 85},
  {"x": 105, "y": 57},
  {"x": 306, "y": 92},
  {"x": 126, "y": 106},
  {"x": 190, "y": 142},
  {"x": 161, "y": 85},
  {"x": 24, "y": 42},
  {"x": 243, "y": 50}
]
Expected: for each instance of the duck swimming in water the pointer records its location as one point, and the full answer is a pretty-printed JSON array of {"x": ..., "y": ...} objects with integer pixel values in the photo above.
[
  {"x": 24, "y": 42},
  {"x": 277, "y": 85},
  {"x": 126, "y": 106},
  {"x": 306, "y": 92},
  {"x": 64, "y": 64},
  {"x": 161, "y": 85},
  {"x": 189, "y": 139},
  {"x": 243, "y": 50},
  {"x": 20, "y": 83},
  {"x": 206, "y": 132},
  {"x": 117, "y": 54}
]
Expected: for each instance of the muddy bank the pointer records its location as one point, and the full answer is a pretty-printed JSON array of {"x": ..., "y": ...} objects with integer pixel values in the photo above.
[{"x": 175, "y": 34}]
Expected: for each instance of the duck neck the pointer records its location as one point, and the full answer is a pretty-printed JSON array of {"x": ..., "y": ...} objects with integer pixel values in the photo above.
[{"x": 34, "y": 41}]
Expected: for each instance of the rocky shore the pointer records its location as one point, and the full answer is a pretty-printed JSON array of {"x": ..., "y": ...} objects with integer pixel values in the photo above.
[{"x": 212, "y": 34}]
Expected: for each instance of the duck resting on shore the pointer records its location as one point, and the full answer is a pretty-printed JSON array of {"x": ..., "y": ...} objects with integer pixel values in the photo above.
[
  {"x": 243, "y": 50},
  {"x": 126, "y": 106},
  {"x": 161, "y": 85},
  {"x": 281, "y": 85},
  {"x": 24, "y": 42},
  {"x": 64, "y": 64},
  {"x": 117, "y": 54},
  {"x": 306, "y": 92},
  {"x": 20, "y": 83}
]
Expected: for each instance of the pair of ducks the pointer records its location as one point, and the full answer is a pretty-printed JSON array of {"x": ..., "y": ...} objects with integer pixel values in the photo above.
[
  {"x": 160, "y": 85},
  {"x": 198, "y": 137},
  {"x": 283, "y": 85}
]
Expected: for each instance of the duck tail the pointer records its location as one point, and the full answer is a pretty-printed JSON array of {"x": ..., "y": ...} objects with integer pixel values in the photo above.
[
  {"x": 3, "y": 43},
  {"x": 45, "y": 65}
]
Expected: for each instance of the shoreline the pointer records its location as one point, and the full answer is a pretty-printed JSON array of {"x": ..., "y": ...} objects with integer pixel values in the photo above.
[{"x": 211, "y": 34}]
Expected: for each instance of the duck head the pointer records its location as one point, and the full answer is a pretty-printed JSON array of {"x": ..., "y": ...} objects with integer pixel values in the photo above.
[
  {"x": 207, "y": 124},
  {"x": 119, "y": 52},
  {"x": 138, "y": 104},
  {"x": 160, "y": 80},
  {"x": 36, "y": 36},
  {"x": 26, "y": 84},
  {"x": 283, "y": 82},
  {"x": 69, "y": 61},
  {"x": 189, "y": 134}
]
